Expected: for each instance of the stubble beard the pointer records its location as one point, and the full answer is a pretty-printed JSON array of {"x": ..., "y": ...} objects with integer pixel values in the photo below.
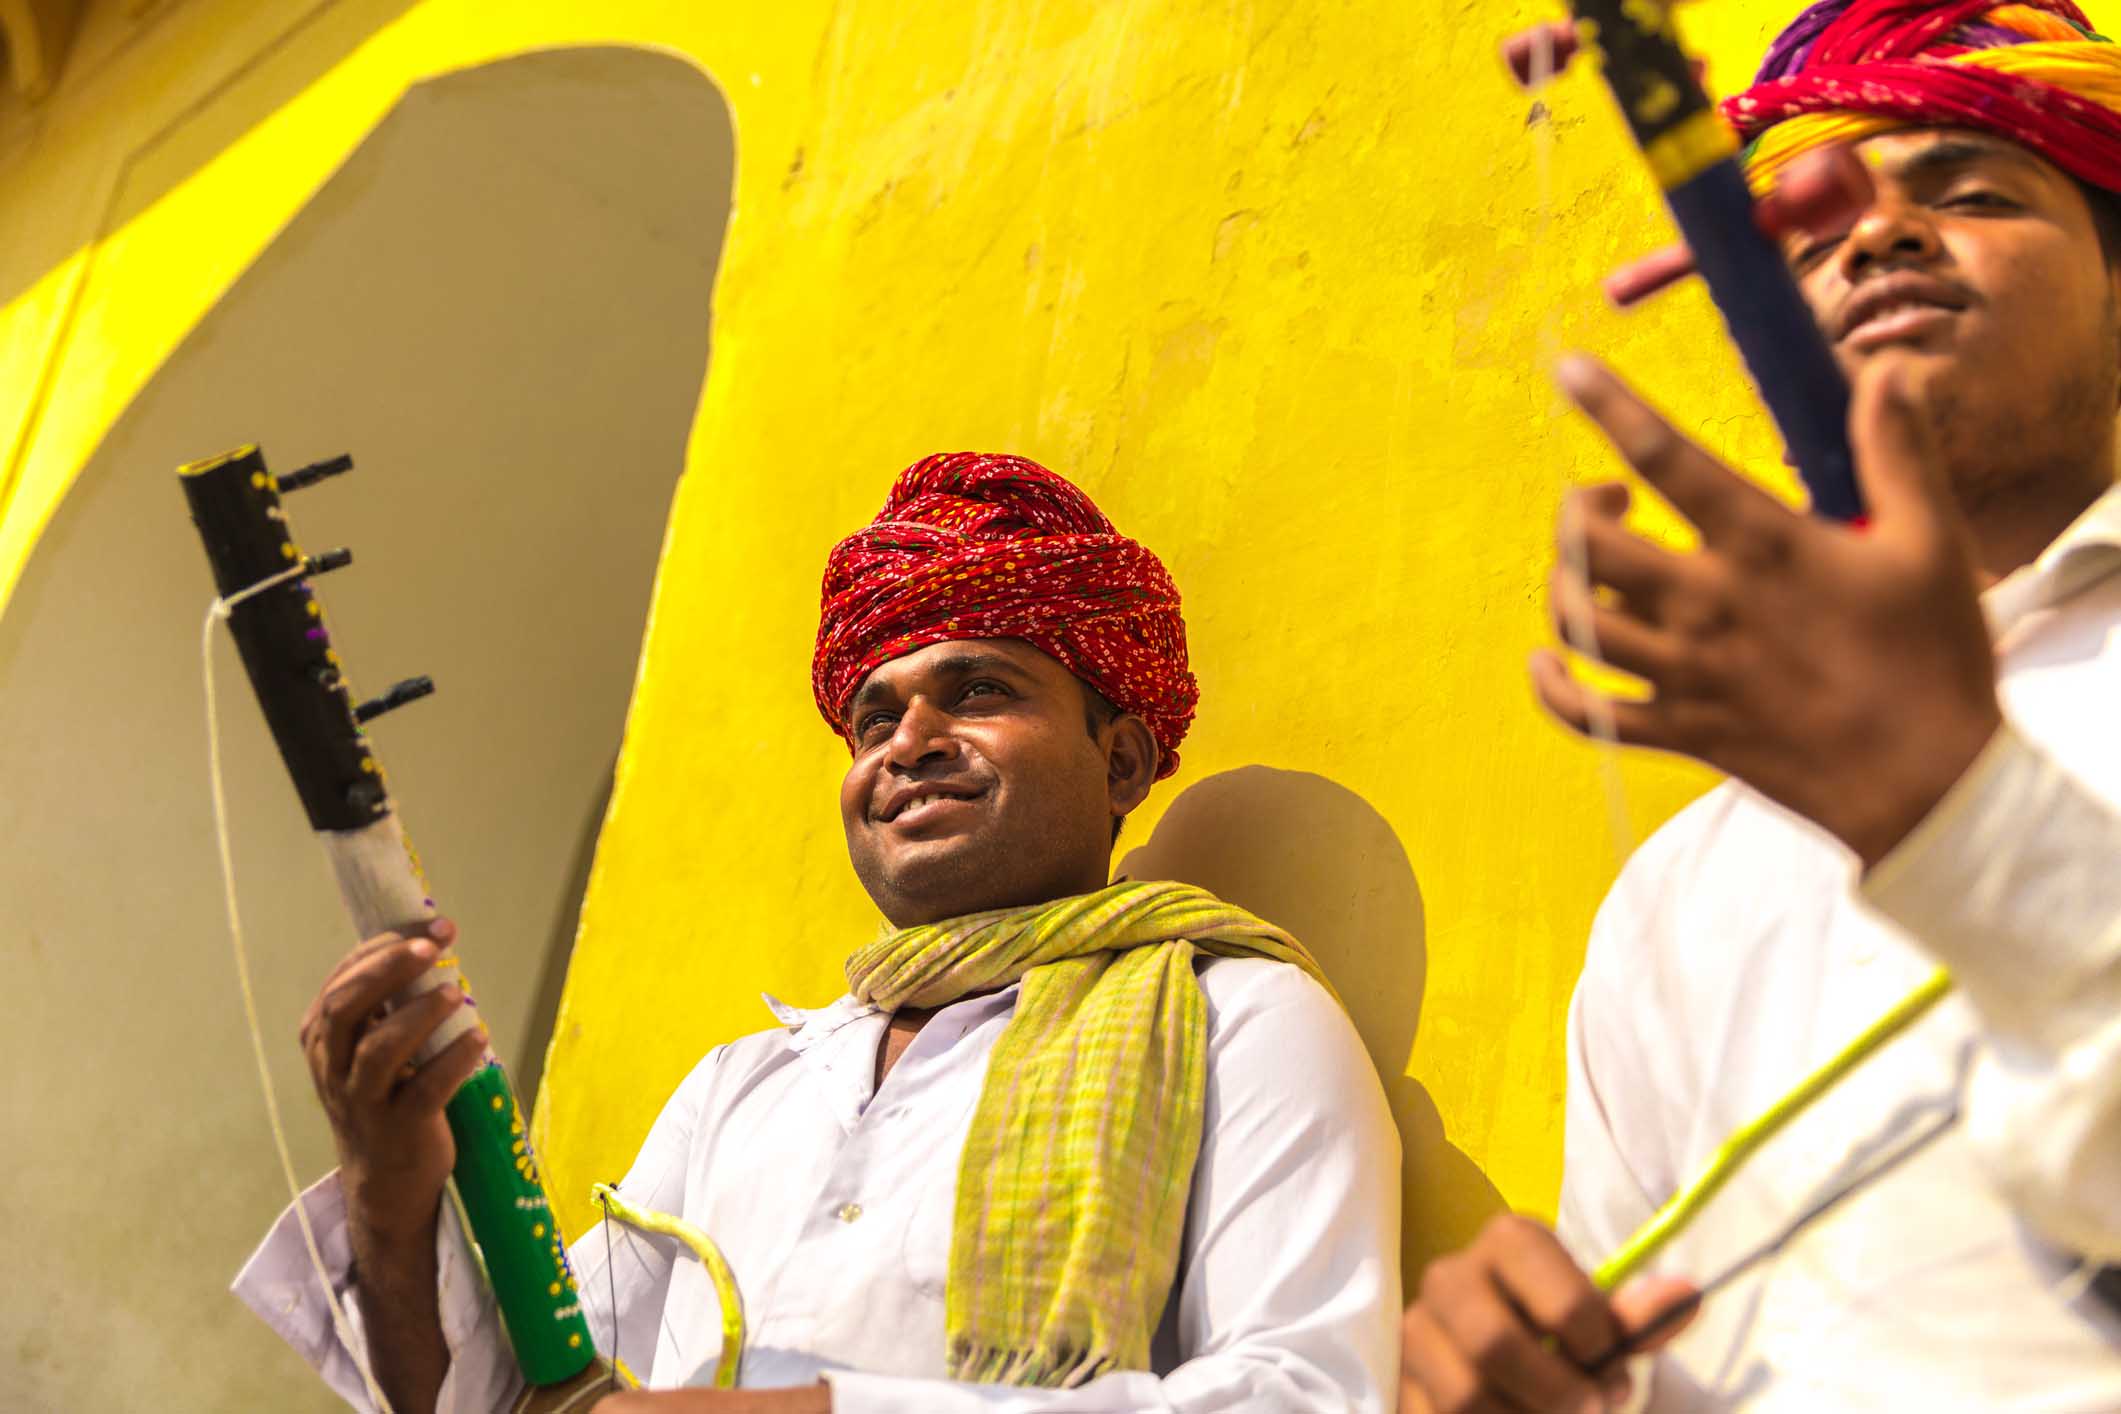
[{"x": 2030, "y": 459}]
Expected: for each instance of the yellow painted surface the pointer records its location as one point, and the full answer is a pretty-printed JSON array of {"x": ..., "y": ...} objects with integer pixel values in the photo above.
[{"x": 1274, "y": 282}]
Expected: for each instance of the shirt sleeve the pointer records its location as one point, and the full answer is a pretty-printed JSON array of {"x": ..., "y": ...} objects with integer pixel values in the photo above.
[
  {"x": 2014, "y": 883},
  {"x": 1288, "y": 1291},
  {"x": 621, "y": 1270},
  {"x": 287, "y": 1291}
]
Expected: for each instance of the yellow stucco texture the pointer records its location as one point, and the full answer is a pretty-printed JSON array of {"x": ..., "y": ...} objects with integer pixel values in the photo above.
[{"x": 1274, "y": 282}]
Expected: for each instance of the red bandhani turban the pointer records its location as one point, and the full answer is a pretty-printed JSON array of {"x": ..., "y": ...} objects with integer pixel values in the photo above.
[
  {"x": 2031, "y": 71},
  {"x": 972, "y": 546}
]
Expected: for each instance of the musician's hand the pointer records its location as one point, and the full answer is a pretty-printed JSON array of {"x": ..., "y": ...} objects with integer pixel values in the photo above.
[
  {"x": 395, "y": 1149},
  {"x": 1511, "y": 1323},
  {"x": 804, "y": 1399},
  {"x": 1845, "y": 673}
]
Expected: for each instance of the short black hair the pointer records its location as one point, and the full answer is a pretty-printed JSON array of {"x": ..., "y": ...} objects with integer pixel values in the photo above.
[
  {"x": 2105, "y": 207},
  {"x": 1099, "y": 713}
]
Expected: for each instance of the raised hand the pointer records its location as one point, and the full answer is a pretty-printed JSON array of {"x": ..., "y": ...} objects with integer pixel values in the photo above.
[
  {"x": 395, "y": 1149},
  {"x": 1845, "y": 672}
]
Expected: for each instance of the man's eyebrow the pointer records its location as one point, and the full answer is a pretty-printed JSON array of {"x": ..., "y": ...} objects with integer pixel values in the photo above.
[
  {"x": 960, "y": 664},
  {"x": 1947, "y": 153}
]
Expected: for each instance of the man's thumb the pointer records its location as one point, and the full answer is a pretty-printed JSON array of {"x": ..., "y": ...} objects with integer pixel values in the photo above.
[
  {"x": 1897, "y": 461},
  {"x": 1653, "y": 1310}
]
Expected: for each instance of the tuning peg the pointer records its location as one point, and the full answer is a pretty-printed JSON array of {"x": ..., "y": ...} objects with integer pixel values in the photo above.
[
  {"x": 1639, "y": 279},
  {"x": 410, "y": 690},
  {"x": 313, "y": 473},
  {"x": 1522, "y": 52},
  {"x": 1822, "y": 192},
  {"x": 330, "y": 560}
]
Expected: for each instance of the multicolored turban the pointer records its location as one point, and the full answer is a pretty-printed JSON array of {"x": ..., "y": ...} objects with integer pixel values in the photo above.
[
  {"x": 2032, "y": 71},
  {"x": 973, "y": 546}
]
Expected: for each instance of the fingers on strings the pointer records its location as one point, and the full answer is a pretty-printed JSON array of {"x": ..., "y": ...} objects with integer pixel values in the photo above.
[
  {"x": 1609, "y": 599},
  {"x": 1631, "y": 604},
  {"x": 358, "y": 1039},
  {"x": 1709, "y": 494},
  {"x": 1511, "y": 1324}
]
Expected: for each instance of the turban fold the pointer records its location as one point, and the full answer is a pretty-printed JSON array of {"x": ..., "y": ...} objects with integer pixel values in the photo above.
[
  {"x": 973, "y": 546},
  {"x": 2032, "y": 71}
]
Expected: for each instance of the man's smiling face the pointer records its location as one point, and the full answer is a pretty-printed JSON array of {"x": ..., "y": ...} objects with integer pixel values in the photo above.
[
  {"x": 978, "y": 781},
  {"x": 1983, "y": 259}
]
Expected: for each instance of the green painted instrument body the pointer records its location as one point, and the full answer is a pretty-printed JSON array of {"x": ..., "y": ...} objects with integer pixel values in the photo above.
[{"x": 526, "y": 1260}]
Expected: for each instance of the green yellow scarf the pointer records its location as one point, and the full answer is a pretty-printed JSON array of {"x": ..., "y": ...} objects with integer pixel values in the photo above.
[{"x": 1071, "y": 1193}]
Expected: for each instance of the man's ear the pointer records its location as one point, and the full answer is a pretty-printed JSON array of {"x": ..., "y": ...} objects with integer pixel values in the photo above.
[{"x": 1131, "y": 759}]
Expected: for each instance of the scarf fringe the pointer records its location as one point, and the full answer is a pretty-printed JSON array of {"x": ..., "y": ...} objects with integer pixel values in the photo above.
[{"x": 1035, "y": 1368}]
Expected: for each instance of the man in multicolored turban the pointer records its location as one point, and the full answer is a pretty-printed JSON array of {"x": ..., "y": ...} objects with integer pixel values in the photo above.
[
  {"x": 1064, "y": 1145},
  {"x": 1918, "y": 716}
]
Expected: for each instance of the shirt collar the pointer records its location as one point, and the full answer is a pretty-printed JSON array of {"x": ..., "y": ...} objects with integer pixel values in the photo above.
[
  {"x": 2087, "y": 552},
  {"x": 809, "y": 1026}
]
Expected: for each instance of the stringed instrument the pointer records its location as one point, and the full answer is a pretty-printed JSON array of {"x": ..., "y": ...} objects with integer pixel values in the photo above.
[
  {"x": 295, "y": 671},
  {"x": 1730, "y": 238}
]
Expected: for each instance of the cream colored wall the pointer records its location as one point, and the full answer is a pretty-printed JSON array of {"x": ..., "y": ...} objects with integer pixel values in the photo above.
[
  {"x": 516, "y": 458},
  {"x": 1274, "y": 282}
]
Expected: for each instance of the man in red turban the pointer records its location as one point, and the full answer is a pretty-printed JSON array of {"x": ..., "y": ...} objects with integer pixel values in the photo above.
[
  {"x": 996, "y": 551},
  {"x": 972, "y": 546},
  {"x": 1918, "y": 719},
  {"x": 1063, "y": 1144}
]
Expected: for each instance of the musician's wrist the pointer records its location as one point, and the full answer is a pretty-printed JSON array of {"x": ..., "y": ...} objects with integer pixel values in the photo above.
[
  {"x": 392, "y": 1238},
  {"x": 1887, "y": 810}
]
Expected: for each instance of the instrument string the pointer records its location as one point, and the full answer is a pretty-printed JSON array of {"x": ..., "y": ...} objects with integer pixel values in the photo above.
[
  {"x": 705, "y": 1248},
  {"x": 1579, "y": 633},
  {"x": 612, "y": 1279},
  {"x": 216, "y": 613}
]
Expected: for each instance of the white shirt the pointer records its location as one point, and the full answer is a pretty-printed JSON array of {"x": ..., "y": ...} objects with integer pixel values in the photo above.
[
  {"x": 1738, "y": 951},
  {"x": 833, "y": 1206}
]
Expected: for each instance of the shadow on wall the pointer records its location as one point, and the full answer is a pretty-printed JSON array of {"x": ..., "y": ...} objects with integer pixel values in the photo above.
[
  {"x": 500, "y": 305},
  {"x": 1315, "y": 858}
]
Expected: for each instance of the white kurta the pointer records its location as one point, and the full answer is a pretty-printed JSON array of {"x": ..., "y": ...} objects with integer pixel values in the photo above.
[
  {"x": 833, "y": 1205},
  {"x": 1738, "y": 951}
]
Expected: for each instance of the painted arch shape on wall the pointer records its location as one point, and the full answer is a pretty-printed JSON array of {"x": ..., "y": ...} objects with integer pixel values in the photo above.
[{"x": 500, "y": 306}]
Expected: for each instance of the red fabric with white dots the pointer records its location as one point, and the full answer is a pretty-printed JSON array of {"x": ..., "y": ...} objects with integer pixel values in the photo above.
[{"x": 976, "y": 546}]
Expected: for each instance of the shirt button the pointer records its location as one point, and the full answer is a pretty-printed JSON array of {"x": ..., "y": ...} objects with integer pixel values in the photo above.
[{"x": 849, "y": 1212}]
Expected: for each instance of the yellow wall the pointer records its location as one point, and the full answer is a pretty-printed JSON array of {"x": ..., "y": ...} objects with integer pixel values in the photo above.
[{"x": 1273, "y": 282}]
